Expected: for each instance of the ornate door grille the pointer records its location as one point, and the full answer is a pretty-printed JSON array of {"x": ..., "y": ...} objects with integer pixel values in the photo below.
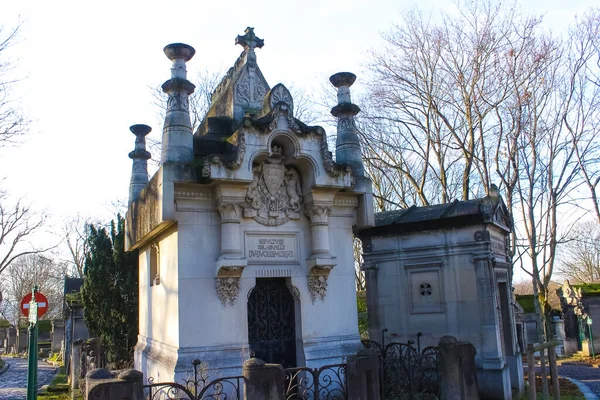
[{"x": 271, "y": 322}]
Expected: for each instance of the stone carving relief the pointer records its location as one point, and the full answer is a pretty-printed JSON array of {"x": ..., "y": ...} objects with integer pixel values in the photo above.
[
  {"x": 230, "y": 212},
  {"x": 318, "y": 214},
  {"x": 228, "y": 289},
  {"x": 228, "y": 284},
  {"x": 250, "y": 88},
  {"x": 317, "y": 287},
  {"x": 274, "y": 196},
  {"x": 280, "y": 94}
]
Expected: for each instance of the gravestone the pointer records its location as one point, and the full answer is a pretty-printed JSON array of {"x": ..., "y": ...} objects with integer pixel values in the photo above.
[
  {"x": 245, "y": 233},
  {"x": 22, "y": 340},
  {"x": 58, "y": 335},
  {"x": 11, "y": 340}
]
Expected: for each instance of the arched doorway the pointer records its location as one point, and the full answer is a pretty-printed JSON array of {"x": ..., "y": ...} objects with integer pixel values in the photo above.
[{"x": 271, "y": 322}]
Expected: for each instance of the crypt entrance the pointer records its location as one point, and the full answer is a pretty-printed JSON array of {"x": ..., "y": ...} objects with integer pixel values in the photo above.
[{"x": 271, "y": 322}]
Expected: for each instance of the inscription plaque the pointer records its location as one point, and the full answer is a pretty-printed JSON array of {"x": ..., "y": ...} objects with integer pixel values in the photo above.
[{"x": 271, "y": 249}]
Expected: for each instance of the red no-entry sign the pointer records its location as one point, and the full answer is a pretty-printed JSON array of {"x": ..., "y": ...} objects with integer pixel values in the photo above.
[{"x": 40, "y": 299}]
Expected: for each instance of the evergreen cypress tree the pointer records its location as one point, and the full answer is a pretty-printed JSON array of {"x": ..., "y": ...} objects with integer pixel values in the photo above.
[{"x": 110, "y": 292}]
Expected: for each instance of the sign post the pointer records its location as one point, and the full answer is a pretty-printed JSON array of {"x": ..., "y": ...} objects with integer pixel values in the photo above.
[{"x": 33, "y": 305}]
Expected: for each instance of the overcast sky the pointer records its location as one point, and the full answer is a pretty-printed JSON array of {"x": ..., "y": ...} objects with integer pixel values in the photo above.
[{"x": 87, "y": 67}]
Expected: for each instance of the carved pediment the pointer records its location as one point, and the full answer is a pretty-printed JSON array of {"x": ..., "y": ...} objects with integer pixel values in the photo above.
[{"x": 501, "y": 215}]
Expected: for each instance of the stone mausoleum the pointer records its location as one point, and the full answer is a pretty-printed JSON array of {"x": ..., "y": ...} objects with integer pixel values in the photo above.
[
  {"x": 245, "y": 232},
  {"x": 446, "y": 270}
]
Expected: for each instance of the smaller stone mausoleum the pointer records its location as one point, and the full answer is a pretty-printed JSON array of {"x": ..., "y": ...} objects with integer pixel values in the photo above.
[
  {"x": 245, "y": 232},
  {"x": 446, "y": 270}
]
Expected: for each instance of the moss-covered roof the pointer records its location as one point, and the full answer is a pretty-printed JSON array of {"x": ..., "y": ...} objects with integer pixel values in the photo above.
[
  {"x": 589, "y": 289},
  {"x": 526, "y": 301}
]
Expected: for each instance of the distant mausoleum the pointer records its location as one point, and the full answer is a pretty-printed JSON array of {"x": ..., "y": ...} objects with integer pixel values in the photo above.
[
  {"x": 580, "y": 306},
  {"x": 446, "y": 270}
]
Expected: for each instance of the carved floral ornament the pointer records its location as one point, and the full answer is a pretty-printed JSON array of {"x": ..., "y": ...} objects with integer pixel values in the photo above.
[{"x": 228, "y": 284}]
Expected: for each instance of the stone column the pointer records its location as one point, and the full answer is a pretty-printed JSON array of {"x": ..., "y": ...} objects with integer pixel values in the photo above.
[
  {"x": 140, "y": 157},
  {"x": 178, "y": 142},
  {"x": 263, "y": 381},
  {"x": 321, "y": 261},
  {"x": 231, "y": 261},
  {"x": 319, "y": 230}
]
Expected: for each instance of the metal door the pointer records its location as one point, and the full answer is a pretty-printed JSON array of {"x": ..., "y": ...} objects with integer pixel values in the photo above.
[{"x": 271, "y": 322}]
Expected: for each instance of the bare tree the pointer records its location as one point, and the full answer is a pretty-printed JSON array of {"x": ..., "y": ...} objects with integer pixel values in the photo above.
[
  {"x": 18, "y": 223},
  {"x": 74, "y": 232},
  {"x": 579, "y": 258},
  {"x": 23, "y": 274},
  {"x": 440, "y": 121},
  {"x": 581, "y": 113},
  {"x": 13, "y": 122}
]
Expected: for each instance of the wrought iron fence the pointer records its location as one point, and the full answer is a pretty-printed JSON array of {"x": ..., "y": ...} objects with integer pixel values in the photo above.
[
  {"x": 406, "y": 372},
  {"x": 197, "y": 387},
  {"x": 327, "y": 382}
]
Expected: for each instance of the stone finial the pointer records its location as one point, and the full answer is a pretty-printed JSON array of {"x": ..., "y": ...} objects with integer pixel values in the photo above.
[
  {"x": 347, "y": 149},
  {"x": 249, "y": 41},
  {"x": 493, "y": 191},
  {"x": 140, "y": 157},
  {"x": 177, "y": 140},
  {"x": 179, "y": 53},
  {"x": 342, "y": 81}
]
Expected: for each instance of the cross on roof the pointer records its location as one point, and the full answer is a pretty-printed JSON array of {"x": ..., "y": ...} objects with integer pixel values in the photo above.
[{"x": 249, "y": 40}]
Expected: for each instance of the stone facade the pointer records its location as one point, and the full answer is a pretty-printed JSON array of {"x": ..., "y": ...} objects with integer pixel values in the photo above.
[
  {"x": 446, "y": 270},
  {"x": 261, "y": 201}
]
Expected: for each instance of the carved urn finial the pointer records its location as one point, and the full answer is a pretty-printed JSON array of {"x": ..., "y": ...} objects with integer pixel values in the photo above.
[
  {"x": 178, "y": 142},
  {"x": 140, "y": 157},
  {"x": 347, "y": 149},
  {"x": 179, "y": 53}
]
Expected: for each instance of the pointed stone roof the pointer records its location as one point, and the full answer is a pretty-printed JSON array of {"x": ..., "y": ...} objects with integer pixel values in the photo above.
[{"x": 241, "y": 91}]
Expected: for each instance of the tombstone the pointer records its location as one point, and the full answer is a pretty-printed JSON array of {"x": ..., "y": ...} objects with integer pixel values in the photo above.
[
  {"x": 75, "y": 363},
  {"x": 22, "y": 340},
  {"x": 245, "y": 232},
  {"x": 58, "y": 335},
  {"x": 559, "y": 334},
  {"x": 2, "y": 337},
  {"x": 11, "y": 339},
  {"x": 445, "y": 270}
]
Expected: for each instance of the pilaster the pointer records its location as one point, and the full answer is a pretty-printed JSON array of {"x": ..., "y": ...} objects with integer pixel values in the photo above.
[
  {"x": 231, "y": 261},
  {"x": 318, "y": 206},
  {"x": 491, "y": 354}
]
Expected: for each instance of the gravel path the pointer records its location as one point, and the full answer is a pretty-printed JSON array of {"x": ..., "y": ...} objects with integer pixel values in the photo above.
[
  {"x": 13, "y": 383},
  {"x": 590, "y": 376}
]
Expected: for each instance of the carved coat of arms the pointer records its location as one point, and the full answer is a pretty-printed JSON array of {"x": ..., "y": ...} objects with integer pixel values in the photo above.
[{"x": 274, "y": 196}]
